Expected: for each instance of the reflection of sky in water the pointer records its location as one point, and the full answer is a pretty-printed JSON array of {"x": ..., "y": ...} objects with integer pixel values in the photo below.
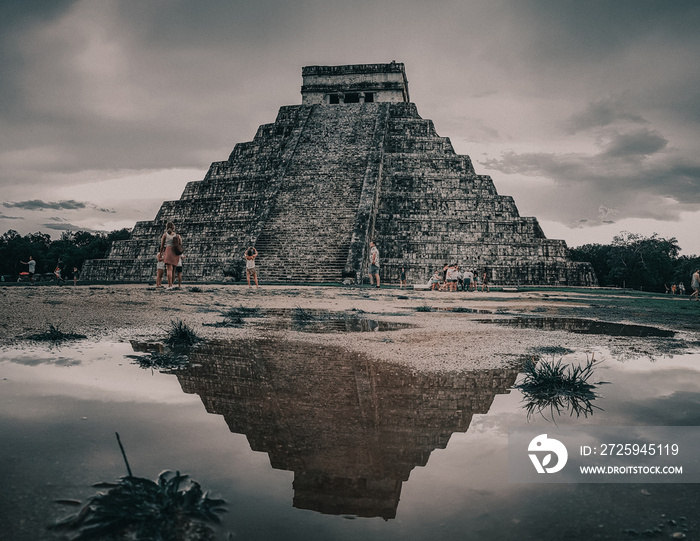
[{"x": 59, "y": 410}]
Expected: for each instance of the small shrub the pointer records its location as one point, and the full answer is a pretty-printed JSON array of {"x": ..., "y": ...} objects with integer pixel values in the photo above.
[
  {"x": 304, "y": 316},
  {"x": 559, "y": 388},
  {"x": 173, "y": 507},
  {"x": 54, "y": 334},
  {"x": 160, "y": 361},
  {"x": 424, "y": 308},
  {"x": 181, "y": 336}
]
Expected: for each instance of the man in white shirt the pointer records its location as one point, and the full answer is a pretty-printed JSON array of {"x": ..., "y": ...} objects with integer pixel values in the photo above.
[{"x": 373, "y": 263}]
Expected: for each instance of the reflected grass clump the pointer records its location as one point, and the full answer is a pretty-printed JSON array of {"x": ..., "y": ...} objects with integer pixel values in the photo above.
[
  {"x": 161, "y": 361},
  {"x": 300, "y": 315},
  {"x": 54, "y": 334},
  {"x": 181, "y": 336},
  {"x": 558, "y": 388}
]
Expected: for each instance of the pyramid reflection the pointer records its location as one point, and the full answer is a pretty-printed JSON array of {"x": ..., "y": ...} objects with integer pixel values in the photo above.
[{"x": 349, "y": 427}]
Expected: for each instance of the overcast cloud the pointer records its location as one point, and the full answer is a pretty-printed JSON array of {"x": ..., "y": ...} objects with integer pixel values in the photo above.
[{"x": 586, "y": 113}]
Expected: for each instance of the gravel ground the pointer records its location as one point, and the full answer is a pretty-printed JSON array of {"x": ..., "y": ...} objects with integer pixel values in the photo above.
[{"x": 446, "y": 330}]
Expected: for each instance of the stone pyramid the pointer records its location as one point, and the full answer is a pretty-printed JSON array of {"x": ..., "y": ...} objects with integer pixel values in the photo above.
[{"x": 354, "y": 162}]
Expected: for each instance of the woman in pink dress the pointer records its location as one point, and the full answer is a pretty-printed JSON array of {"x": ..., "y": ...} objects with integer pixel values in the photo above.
[{"x": 166, "y": 248}]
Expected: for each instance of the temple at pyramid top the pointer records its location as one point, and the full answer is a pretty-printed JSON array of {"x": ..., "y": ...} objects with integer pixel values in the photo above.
[
  {"x": 354, "y": 163},
  {"x": 358, "y": 83}
]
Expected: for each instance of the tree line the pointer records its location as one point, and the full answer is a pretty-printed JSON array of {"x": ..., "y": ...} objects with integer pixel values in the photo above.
[
  {"x": 71, "y": 248},
  {"x": 637, "y": 262}
]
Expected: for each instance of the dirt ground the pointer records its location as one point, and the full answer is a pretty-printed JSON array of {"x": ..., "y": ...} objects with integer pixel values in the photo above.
[{"x": 441, "y": 331}]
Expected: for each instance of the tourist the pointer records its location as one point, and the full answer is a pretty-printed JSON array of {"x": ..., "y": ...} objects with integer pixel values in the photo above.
[
  {"x": 374, "y": 264},
  {"x": 76, "y": 275},
  {"x": 673, "y": 289},
  {"x": 681, "y": 288},
  {"x": 31, "y": 268},
  {"x": 160, "y": 269},
  {"x": 250, "y": 254},
  {"x": 169, "y": 256},
  {"x": 451, "y": 278},
  {"x": 178, "y": 271},
  {"x": 695, "y": 284},
  {"x": 434, "y": 282},
  {"x": 402, "y": 278},
  {"x": 460, "y": 279},
  {"x": 468, "y": 279},
  {"x": 58, "y": 272},
  {"x": 485, "y": 281}
]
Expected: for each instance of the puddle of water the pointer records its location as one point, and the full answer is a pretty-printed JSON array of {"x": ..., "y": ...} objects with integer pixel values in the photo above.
[
  {"x": 314, "y": 321},
  {"x": 581, "y": 326},
  {"x": 297, "y": 438}
]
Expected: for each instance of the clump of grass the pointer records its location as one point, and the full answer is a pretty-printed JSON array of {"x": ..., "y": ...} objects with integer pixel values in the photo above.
[
  {"x": 463, "y": 309},
  {"x": 160, "y": 361},
  {"x": 54, "y": 334},
  {"x": 173, "y": 507},
  {"x": 181, "y": 336},
  {"x": 558, "y": 388},
  {"x": 195, "y": 289},
  {"x": 553, "y": 350},
  {"x": 241, "y": 312},
  {"x": 234, "y": 317},
  {"x": 424, "y": 308},
  {"x": 300, "y": 315}
]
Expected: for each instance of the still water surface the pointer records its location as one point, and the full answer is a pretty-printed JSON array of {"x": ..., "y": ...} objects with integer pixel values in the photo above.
[{"x": 308, "y": 442}]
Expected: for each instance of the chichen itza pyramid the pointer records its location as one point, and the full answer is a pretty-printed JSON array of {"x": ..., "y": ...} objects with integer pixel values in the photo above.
[{"x": 354, "y": 162}]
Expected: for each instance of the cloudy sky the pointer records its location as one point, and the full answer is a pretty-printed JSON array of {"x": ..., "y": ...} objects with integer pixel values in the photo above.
[{"x": 587, "y": 113}]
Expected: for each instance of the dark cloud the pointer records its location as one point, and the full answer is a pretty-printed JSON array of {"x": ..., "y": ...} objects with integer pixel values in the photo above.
[
  {"x": 633, "y": 177},
  {"x": 635, "y": 144},
  {"x": 60, "y": 225},
  {"x": 6, "y": 217},
  {"x": 37, "y": 204},
  {"x": 602, "y": 113},
  {"x": 575, "y": 31}
]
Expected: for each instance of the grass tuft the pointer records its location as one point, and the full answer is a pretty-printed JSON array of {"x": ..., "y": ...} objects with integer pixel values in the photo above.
[
  {"x": 181, "y": 336},
  {"x": 54, "y": 334},
  {"x": 558, "y": 388},
  {"x": 172, "y": 507}
]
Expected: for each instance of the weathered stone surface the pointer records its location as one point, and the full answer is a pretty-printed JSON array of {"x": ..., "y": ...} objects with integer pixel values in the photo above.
[{"x": 311, "y": 190}]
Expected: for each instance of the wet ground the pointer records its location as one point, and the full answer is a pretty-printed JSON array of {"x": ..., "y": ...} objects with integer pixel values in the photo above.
[{"x": 312, "y": 441}]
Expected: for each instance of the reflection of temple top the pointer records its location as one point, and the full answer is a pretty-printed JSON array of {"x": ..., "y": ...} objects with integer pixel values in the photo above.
[
  {"x": 350, "y": 429},
  {"x": 359, "y": 83}
]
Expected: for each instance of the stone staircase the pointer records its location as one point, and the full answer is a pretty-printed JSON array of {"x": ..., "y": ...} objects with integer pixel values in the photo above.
[{"x": 307, "y": 234}]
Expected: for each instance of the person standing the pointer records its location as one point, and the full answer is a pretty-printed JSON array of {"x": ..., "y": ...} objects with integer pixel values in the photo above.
[
  {"x": 468, "y": 278},
  {"x": 31, "y": 268},
  {"x": 374, "y": 263},
  {"x": 160, "y": 269},
  {"x": 485, "y": 281},
  {"x": 178, "y": 271},
  {"x": 169, "y": 256},
  {"x": 695, "y": 284},
  {"x": 402, "y": 278},
  {"x": 76, "y": 275},
  {"x": 250, "y": 254},
  {"x": 58, "y": 272}
]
